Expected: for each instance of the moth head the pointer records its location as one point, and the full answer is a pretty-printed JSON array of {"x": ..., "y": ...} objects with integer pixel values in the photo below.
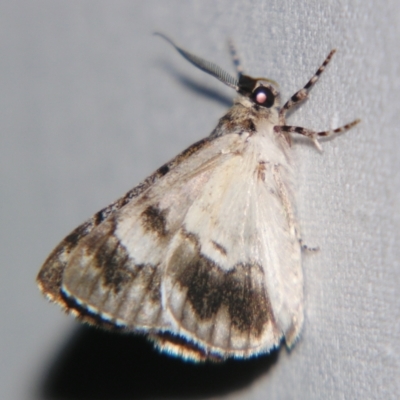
[{"x": 260, "y": 91}]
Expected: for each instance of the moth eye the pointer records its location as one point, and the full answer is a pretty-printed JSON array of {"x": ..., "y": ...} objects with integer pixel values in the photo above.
[{"x": 263, "y": 97}]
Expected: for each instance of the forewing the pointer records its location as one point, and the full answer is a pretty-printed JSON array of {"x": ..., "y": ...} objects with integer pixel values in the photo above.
[
  {"x": 226, "y": 282},
  {"x": 108, "y": 269}
]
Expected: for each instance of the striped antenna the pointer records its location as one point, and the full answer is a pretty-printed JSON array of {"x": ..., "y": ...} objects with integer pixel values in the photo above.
[{"x": 204, "y": 65}]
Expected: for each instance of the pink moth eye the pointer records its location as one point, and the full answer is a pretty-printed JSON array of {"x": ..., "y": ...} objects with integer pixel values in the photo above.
[{"x": 263, "y": 96}]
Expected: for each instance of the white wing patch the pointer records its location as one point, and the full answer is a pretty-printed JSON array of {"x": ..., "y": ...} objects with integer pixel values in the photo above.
[{"x": 204, "y": 255}]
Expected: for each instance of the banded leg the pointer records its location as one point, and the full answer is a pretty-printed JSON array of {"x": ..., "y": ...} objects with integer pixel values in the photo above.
[
  {"x": 235, "y": 58},
  {"x": 312, "y": 134},
  {"x": 302, "y": 94},
  {"x": 304, "y": 247}
]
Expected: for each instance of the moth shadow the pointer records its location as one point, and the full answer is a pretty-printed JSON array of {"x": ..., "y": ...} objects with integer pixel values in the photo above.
[
  {"x": 95, "y": 364},
  {"x": 199, "y": 89}
]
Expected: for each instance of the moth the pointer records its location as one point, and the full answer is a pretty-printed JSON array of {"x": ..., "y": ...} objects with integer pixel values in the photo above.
[{"x": 204, "y": 256}]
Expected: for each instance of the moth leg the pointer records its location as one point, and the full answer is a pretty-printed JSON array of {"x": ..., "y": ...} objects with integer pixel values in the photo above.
[
  {"x": 235, "y": 58},
  {"x": 312, "y": 134},
  {"x": 304, "y": 247},
  {"x": 302, "y": 94}
]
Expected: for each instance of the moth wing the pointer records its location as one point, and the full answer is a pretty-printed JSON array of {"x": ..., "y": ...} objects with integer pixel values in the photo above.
[
  {"x": 108, "y": 270},
  {"x": 234, "y": 280},
  {"x": 200, "y": 252}
]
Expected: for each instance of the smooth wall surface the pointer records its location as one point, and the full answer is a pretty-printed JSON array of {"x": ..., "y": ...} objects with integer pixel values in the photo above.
[{"x": 91, "y": 103}]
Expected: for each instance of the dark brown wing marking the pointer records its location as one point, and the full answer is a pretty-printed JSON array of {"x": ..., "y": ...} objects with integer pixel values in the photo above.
[
  {"x": 100, "y": 276},
  {"x": 209, "y": 288},
  {"x": 154, "y": 220}
]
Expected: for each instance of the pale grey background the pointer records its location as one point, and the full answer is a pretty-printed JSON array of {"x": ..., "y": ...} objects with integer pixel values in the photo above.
[{"x": 91, "y": 103}]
